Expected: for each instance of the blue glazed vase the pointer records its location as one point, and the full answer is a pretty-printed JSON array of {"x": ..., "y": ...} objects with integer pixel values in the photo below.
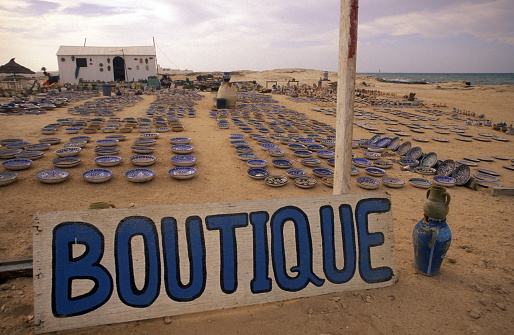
[{"x": 431, "y": 239}]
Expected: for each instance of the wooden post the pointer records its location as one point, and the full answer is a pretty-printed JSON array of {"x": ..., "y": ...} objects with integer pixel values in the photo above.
[{"x": 345, "y": 94}]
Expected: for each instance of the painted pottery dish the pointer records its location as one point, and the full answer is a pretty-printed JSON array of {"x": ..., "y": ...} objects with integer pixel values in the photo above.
[
  {"x": 311, "y": 162},
  {"x": 444, "y": 181},
  {"x": 141, "y": 149},
  {"x": 66, "y": 162},
  {"x": 30, "y": 155},
  {"x": 374, "y": 171},
  {"x": 50, "y": 140},
  {"x": 182, "y": 148},
  {"x": 243, "y": 148},
  {"x": 183, "y": 160},
  {"x": 140, "y": 175},
  {"x": 463, "y": 139},
  {"x": 331, "y": 161},
  {"x": 485, "y": 159},
  {"x": 467, "y": 163},
  {"x": 106, "y": 151},
  {"x": 420, "y": 182},
  {"x": 471, "y": 159},
  {"x": 394, "y": 144},
  {"x": 508, "y": 167},
  {"x": 315, "y": 147},
  {"x": 7, "y": 178},
  {"x": 383, "y": 142},
  {"x": 244, "y": 156},
  {"x": 282, "y": 163},
  {"x": 305, "y": 182},
  {"x": 52, "y": 176},
  {"x": 393, "y": 182},
  {"x": 485, "y": 176},
  {"x": 481, "y": 139},
  {"x": 302, "y": 153},
  {"x": 107, "y": 160},
  {"x": 446, "y": 168},
  {"x": 97, "y": 175},
  {"x": 355, "y": 171},
  {"x": 295, "y": 173},
  {"x": 329, "y": 181},
  {"x": 267, "y": 146},
  {"x": 181, "y": 140},
  {"x": 143, "y": 160},
  {"x": 258, "y": 173},
  {"x": 234, "y": 143},
  {"x": 409, "y": 162},
  {"x": 149, "y": 135},
  {"x": 361, "y": 162},
  {"x": 462, "y": 173},
  {"x": 420, "y": 139},
  {"x": 78, "y": 144},
  {"x": 37, "y": 147},
  {"x": 425, "y": 170},
  {"x": 276, "y": 180},
  {"x": 403, "y": 148},
  {"x": 503, "y": 158},
  {"x": 17, "y": 164},
  {"x": 372, "y": 155},
  {"x": 276, "y": 152},
  {"x": 257, "y": 162},
  {"x": 487, "y": 183},
  {"x": 492, "y": 173},
  {"x": 145, "y": 142},
  {"x": 414, "y": 153},
  {"x": 17, "y": 145},
  {"x": 296, "y": 146},
  {"x": 107, "y": 142},
  {"x": 502, "y": 139},
  {"x": 429, "y": 160},
  {"x": 7, "y": 141},
  {"x": 383, "y": 164},
  {"x": 182, "y": 172},
  {"x": 72, "y": 130},
  {"x": 402, "y": 133},
  {"x": 68, "y": 152},
  {"x": 368, "y": 183},
  {"x": 322, "y": 172},
  {"x": 325, "y": 153},
  {"x": 118, "y": 137}
]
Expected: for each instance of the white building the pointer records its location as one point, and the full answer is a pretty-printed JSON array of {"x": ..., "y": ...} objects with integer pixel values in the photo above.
[{"x": 106, "y": 64}]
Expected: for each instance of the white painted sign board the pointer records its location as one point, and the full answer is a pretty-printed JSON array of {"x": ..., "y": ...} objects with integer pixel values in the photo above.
[{"x": 106, "y": 266}]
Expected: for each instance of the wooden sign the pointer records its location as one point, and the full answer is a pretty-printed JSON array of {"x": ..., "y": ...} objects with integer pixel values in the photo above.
[{"x": 106, "y": 266}]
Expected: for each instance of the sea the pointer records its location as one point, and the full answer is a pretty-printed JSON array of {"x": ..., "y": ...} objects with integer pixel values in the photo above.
[{"x": 433, "y": 78}]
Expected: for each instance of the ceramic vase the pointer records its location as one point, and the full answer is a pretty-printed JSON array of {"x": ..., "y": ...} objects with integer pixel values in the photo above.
[
  {"x": 431, "y": 238},
  {"x": 437, "y": 204}
]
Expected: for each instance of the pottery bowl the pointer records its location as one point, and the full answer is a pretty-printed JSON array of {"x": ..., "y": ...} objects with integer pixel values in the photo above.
[
  {"x": 97, "y": 175},
  {"x": 17, "y": 164},
  {"x": 107, "y": 142},
  {"x": 393, "y": 182},
  {"x": 372, "y": 155},
  {"x": 361, "y": 162},
  {"x": 368, "y": 183},
  {"x": 149, "y": 135},
  {"x": 258, "y": 173},
  {"x": 375, "y": 172},
  {"x": 420, "y": 182},
  {"x": 383, "y": 164},
  {"x": 276, "y": 180},
  {"x": 143, "y": 160},
  {"x": 295, "y": 173},
  {"x": 305, "y": 182},
  {"x": 182, "y": 172},
  {"x": 106, "y": 151},
  {"x": 183, "y": 160},
  {"x": 256, "y": 162},
  {"x": 142, "y": 149},
  {"x": 311, "y": 162},
  {"x": 325, "y": 153},
  {"x": 282, "y": 163},
  {"x": 409, "y": 162},
  {"x": 139, "y": 175},
  {"x": 7, "y": 178},
  {"x": 80, "y": 138},
  {"x": 323, "y": 172},
  {"x": 66, "y": 162},
  {"x": 244, "y": 156},
  {"x": 444, "y": 181},
  {"x": 243, "y": 148},
  {"x": 182, "y": 148},
  {"x": 37, "y": 147},
  {"x": 51, "y": 140},
  {"x": 17, "y": 145},
  {"x": 108, "y": 160},
  {"x": 68, "y": 152},
  {"x": 52, "y": 176},
  {"x": 302, "y": 153}
]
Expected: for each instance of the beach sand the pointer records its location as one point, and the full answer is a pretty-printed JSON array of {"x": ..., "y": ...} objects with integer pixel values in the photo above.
[{"x": 472, "y": 294}]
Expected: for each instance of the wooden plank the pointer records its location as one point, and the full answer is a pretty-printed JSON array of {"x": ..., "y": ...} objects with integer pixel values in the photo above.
[
  {"x": 502, "y": 191},
  {"x": 16, "y": 267},
  {"x": 345, "y": 95},
  {"x": 272, "y": 250}
]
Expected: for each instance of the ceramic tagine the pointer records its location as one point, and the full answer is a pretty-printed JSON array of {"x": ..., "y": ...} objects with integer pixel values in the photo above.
[{"x": 432, "y": 236}]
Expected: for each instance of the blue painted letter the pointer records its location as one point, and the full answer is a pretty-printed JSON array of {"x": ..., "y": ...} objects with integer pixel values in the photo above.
[{"x": 261, "y": 282}]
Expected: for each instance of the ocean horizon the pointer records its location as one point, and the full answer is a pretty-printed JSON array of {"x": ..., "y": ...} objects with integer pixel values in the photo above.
[{"x": 434, "y": 78}]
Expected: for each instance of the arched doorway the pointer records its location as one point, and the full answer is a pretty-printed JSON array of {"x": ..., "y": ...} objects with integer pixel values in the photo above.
[{"x": 118, "y": 68}]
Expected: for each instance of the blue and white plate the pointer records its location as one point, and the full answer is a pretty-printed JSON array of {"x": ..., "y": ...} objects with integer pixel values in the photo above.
[
  {"x": 267, "y": 146},
  {"x": 295, "y": 173},
  {"x": 383, "y": 164},
  {"x": 182, "y": 148},
  {"x": 9, "y": 153},
  {"x": 80, "y": 138},
  {"x": 258, "y": 173},
  {"x": 182, "y": 172},
  {"x": 355, "y": 171},
  {"x": 409, "y": 162},
  {"x": 52, "y": 176},
  {"x": 361, "y": 162},
  {"x": 140, "y": 175},
  {"x": 325, "y": 153},
  {"x": 446, "y": 168},
  {"x": 7, "y": 141},
  {"x": 142, "y": 149},
  {"x": 296, "y": 146},
  {"x": 323, "y": 172},
  {"x": 145, "y": 142},
  {"x": 403, "y": 148},
  {"x": 37, "y": 147},
  {"x": 420, "y": 182},
  {"x": 118, "y": 137},
  {"x": 372, "y": 155},
  {"x": 17, "y": 164},
  {"x": 244, "y": 156},
  {"x": 50, "y": 140},
  {"x": 368, "y": 183},
  {"x": 108, "y": 160},
  {"x": 305, "y": 182},
  {"x": 107, "y": 142},
  {"x": 143, "y": 160},
  {"x": 17, "y": 145},
  {"x": 444, "y": 181},
  {"x": 106, "y": 151},
  {"x": 68, "y": 152},
  {"x": 282, "y": 163},
  {"x": 183, "y": 160},
  {"x": 277, "y": 152},
  {"x": 393, "y": 182},
  {"x": 149, "y": 135},
  {"x": 303, "y": 153},
  {"x": 97, "y": 175},
  {"x": 276, "y": 180},
  {"x": 374, "y": 171},
  {"x": 414, "y": 153},
  {"x": 311, "y": 162},
  {"x": 66, "y": 162},
  {"x": 7, "y": 178},
  {"x": 383, "y": 142},
  {"x": 462, "y": 174},
  {"x": 257, "y": 162},
  {"x": 315, "y": 147}
]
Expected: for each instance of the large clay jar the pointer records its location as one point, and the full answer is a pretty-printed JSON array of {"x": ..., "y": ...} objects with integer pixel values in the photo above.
[
  {"x": 437, "y": 204},
  {"x": 228, "y": 91}
]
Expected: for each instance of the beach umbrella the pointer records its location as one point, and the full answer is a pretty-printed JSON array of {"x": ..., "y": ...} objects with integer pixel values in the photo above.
[{"x": 14, "y": 68}]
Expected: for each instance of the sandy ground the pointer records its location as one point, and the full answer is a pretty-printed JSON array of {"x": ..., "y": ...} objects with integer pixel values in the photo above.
[{"x": 472, "y": 294}]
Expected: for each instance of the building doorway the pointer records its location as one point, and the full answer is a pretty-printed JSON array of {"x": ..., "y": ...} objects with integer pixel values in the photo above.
[{"x": 118, "y": 68}]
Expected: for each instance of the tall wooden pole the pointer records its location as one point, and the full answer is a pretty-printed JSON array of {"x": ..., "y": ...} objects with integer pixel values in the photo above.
[{"x": 345, "y": 94}]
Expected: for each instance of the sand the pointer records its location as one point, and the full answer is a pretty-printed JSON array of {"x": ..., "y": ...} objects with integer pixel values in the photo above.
[{"x": 472, "y": 294}]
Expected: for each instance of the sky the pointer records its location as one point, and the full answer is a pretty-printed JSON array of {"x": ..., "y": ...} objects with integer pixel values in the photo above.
[{"x": 418, "y": 36}]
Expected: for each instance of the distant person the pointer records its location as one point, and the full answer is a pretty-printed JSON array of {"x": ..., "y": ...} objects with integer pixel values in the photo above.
[{"x": 51, "y": 79}]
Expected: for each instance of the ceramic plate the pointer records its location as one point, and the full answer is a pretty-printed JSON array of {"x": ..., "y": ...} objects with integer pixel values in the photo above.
[
  {"x": 183, "y": 160},
  {"x": 446, "y": 168},
  {"x": 107, "y": 160},
  {"x": 97, "y": 175},
  {"x": 182, "y": 172},
  {"x": 323, "y": 172},
  {"x": 444, "y": 181},
  {"x": 305, "y": 182},
  {"x": 143, "y": 160},
  {"x": 140, "y": 175},
  {"x": 492, "y": 173},
  {"x": 276, "y": 180},
  {"x": 485, "y": 176},
  {"x": 420, "y": 182},
  {"x": 429, "y": 160},
  {"x": 368, "y": 183},
  {"x": 7, "y": 178},
  {"x": 52, "y": 176},
  {"x": 462, "y": 173},
  {"x": 393, "y": 182},
  {"x": 16, "y": 164},
  {"x": 258, "y": 173}
]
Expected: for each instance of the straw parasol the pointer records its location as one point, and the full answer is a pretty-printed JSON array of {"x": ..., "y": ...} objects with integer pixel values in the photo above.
[{"x": 14, "y": 68}]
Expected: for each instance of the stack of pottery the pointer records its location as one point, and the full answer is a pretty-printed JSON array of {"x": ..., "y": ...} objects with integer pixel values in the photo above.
[{"x": 432, "y": 236}]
